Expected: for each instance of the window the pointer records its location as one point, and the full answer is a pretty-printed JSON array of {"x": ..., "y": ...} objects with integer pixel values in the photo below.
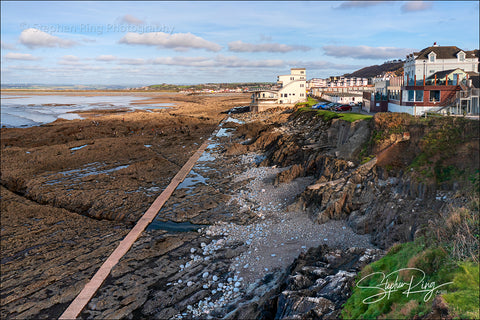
[
  {"x": 302, "y": 95},
  {"x": 461, "y": 56},
  {"x": 431, "y": 57},
  {"x": 301, "y": 85},
  {"x": 434, "y": 95},
  {"x": 415, "y": 95},
  {"x": 418, "y": 95},
  {"x": 292, "y": 78},
  {"x": 302, "y": 72}
]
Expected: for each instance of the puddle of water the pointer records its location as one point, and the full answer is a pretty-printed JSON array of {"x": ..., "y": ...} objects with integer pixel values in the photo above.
[
  {"x": 174, "y": 227},
  {"x": 78, "y": 148},
  {"x": 88, "y": 170},
  {"x": 147, "y": 145},
  {"x": 259, "y": 159},
  {"x": 213, "y": 145},
  {"x": 190, "y": 182},
  {"x": 223, "y": 132},
  {"x": 230, "y": 119},
  {"x": 206, "y": 156}
]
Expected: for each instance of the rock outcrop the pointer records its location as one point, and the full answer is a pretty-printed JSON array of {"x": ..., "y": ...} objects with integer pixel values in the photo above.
[{"x": 315, "y": 286}]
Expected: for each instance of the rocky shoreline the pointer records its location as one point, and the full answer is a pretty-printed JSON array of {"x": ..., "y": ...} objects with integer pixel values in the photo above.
[
  {"x": 222, "y": 270},
  {"x": 274, "y": 221}
]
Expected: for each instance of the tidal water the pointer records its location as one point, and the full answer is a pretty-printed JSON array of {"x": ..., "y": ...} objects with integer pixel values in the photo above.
[{"x": 34, "y": 110}]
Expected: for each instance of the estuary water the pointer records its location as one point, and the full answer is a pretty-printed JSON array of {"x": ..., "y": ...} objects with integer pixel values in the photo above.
[{"x": 34, "y": 110}]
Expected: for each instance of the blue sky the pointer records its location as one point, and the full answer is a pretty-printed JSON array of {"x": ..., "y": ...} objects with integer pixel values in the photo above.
[{"x": 142, "y": 43}]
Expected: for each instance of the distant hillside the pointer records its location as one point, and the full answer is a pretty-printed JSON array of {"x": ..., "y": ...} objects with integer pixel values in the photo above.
[{"x": 372, "y": 71}]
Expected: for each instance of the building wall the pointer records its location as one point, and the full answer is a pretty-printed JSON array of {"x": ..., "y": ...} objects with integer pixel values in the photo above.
[
  {"x": 425, "y": 92},
  {"x": 418, "y": 68},
  {"x": 294, "y": 92},
  {"x": 413, "y": 110}
]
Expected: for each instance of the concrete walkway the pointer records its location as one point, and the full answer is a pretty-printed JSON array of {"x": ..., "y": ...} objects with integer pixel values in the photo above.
[{"x": 79, "y": 303}]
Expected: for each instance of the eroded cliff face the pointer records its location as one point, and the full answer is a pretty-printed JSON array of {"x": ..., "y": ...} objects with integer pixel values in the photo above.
[
  {"x": 388, "y": 194},
  {"x": 391, "y": 177}
]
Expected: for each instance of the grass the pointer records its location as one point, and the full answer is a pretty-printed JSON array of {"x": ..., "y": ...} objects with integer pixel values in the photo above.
[
  {"x": 458, "y": 282},
  {"x": 448, "y": 257},
  {"x": 308, "y": 104},
  {"x": 466, "y": 296},
  {"x": 327, "y": 115},
  {"x": 437, "y": 146}
]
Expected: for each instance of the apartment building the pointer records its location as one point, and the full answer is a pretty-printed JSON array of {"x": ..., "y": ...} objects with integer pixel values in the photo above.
[{"x": 290, "y": 89}]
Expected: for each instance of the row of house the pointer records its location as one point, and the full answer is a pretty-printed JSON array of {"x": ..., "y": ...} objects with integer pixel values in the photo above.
[
  {"x": 333, "y": 82},
  {"x": 442, "y": 79}
]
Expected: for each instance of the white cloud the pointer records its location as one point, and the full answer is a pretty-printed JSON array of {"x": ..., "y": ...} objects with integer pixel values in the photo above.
[
  {"x": 132, "y": 61},
  {"x": 70, "y": 60},
  {"x": 235, "y": 62},
  {"x": 321, "y": 65},
  {"x": 177, "y": 41},
  {"x": 358, "y": 4},
  {"x": 218, "y": 61},
  {"x": 365, "y": 52},
  {"x": 185, "y": 61},
  {"x": 412, "y": 6},
  {"x": 8, "y": 46},
  {"x": 105, "y": 57},
  {"x": 20, "y": 56},
  {"x": 33, "y": 38},
  {"x": 129, "y": 19},
  {"x": 239, "y": 46}
]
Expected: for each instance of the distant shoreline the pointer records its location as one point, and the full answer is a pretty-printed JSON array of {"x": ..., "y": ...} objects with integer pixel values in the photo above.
[{"x": 83, "y": 91}]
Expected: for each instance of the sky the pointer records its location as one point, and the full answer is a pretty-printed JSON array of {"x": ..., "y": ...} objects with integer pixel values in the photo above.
[{"x": 180, "y": 42}]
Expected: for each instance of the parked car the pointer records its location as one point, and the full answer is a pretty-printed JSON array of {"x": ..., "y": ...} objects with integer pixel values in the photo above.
[
  {"x": 343, "y": 107},
  {"x": 317, "y": 106},
  {"x": 320, "y": 105},
  {"x": 331, "y": 105}
]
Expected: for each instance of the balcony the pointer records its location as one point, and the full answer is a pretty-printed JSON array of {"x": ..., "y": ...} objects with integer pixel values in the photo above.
[{"x": 431, "y": 82}]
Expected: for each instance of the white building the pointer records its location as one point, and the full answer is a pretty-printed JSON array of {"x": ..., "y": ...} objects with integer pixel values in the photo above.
[
  {"x": 438, "y": 58},
  {"x": 343, "y": 97},
  {"x": 290, "y": 89},
  {"x": 316, "y": 83},
  {"x": 438, "y": 79}
]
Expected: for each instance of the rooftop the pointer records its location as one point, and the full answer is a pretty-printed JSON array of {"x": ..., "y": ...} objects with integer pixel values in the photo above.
[{"x": 444, "y": 52}]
